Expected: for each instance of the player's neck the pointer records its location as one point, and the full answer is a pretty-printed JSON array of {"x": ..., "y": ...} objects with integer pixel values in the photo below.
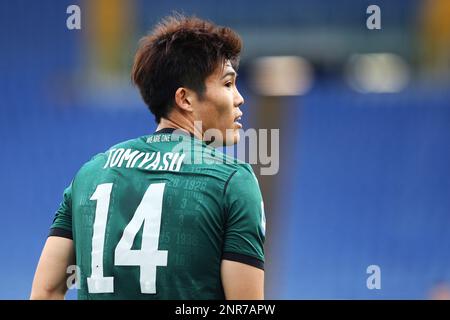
[{"x": 179, "y": 123}]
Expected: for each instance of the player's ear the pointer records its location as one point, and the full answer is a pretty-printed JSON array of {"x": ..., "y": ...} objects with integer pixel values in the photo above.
[{"x": 184, "y": 98}]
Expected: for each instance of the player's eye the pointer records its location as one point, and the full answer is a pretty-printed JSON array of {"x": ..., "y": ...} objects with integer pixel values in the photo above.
[{"x": 228, "y": 84}]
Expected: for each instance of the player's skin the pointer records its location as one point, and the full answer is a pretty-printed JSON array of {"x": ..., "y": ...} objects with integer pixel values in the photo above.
[
  {"x": 50, "y": 279},
  {"x": 218, "y": 109}
]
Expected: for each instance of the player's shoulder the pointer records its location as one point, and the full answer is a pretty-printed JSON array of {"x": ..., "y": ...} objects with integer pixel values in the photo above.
[
  {"x": 234, "y": 164},
  {"x": 244, "y": 175},
  {"x": 237, "y": 171},
  {"x": 229, "y": 165}
]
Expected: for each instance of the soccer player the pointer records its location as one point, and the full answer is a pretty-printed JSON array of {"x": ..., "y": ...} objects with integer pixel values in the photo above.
[{"x": 166, "y": 216}]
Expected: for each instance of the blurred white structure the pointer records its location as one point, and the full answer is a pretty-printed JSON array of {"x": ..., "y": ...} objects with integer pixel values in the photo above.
[
  {"x": 377, "y": 73},
  {"x": 281, "y": 76}
]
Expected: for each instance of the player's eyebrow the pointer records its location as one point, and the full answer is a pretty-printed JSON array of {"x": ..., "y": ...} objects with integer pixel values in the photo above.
[{"x": 229, "y": 73}]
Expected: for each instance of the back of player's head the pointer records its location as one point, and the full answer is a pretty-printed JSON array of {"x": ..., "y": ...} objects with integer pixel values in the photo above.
[{"x": 181, "y": 52}]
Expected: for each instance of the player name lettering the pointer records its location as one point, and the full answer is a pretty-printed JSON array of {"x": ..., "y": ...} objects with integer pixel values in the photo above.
[{"x": 129, "y": 158}]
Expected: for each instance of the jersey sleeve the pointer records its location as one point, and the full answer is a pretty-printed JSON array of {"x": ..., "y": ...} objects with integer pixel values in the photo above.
[
  {"x": 62, "y": 223},
  {"x": 245, "y": 220}
]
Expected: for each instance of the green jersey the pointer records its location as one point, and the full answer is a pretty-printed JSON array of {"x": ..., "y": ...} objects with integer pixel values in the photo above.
[{"x": 152, "y": 218}]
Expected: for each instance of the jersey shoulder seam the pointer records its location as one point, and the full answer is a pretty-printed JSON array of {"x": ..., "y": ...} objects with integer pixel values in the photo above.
[{"x": 228, "y": 180}]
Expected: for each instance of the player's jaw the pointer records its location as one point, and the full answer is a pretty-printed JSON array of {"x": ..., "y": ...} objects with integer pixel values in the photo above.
[
  {"x": 225, "y": 128},
  {"x": 231, "y": 132}
]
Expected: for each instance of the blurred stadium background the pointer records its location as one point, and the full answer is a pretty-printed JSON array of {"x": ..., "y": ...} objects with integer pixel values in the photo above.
[{"x": 364, "y": 118}]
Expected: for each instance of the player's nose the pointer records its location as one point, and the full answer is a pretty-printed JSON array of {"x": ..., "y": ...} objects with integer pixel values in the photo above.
[{"x": 239, "y": 99}]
